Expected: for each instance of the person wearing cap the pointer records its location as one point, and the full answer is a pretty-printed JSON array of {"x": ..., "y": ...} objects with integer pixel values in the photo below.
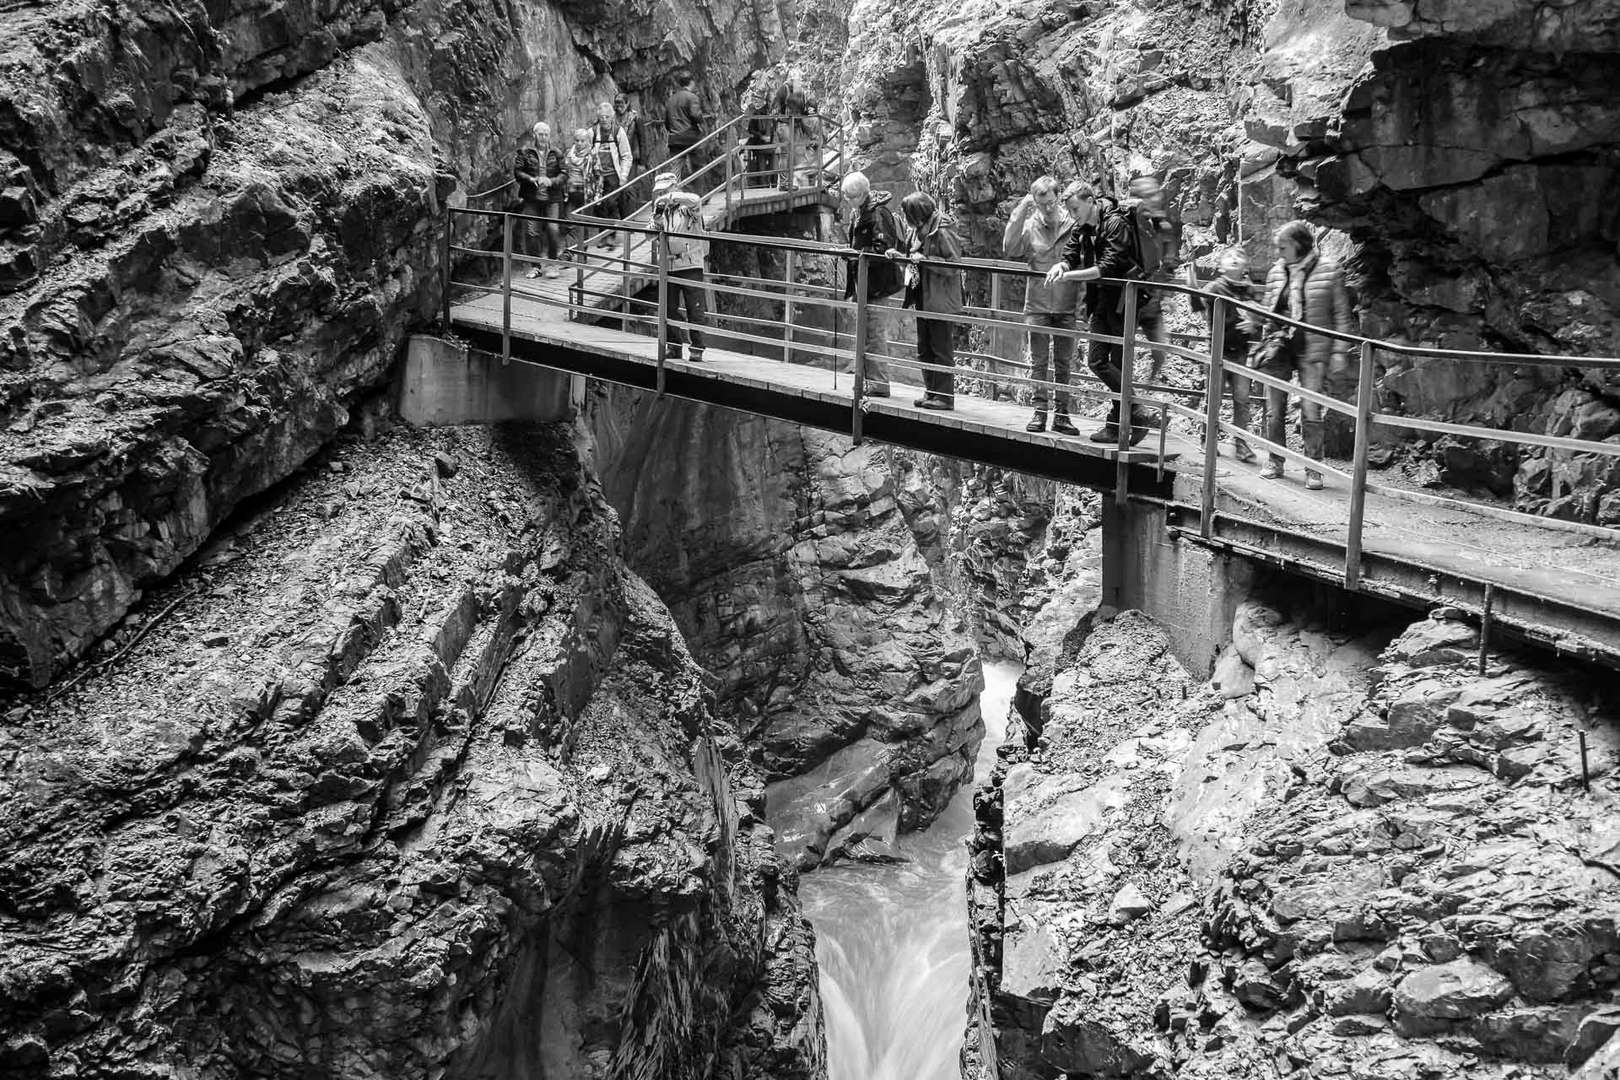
[
  {"x": 677, "y": 215},
  {"x": 1241, "y": 326}
]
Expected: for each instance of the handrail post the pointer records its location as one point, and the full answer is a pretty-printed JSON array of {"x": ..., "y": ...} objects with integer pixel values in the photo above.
[
  {"x": 1212, "y": 410},
  {"x": 506, "y": 288},
  {"x": 662, "y": 240},
  {"x": 793, "y": 157},
  {"x": 729, "y": 152},
  {"x": 444, "y": 253},
  {"x": 788, "y": 311},
  {"x": 860, "y": 348},
  {"x": 1358, "y": 478},
  {"x": 1127, "y": 360},
  {"x": 626, "y": 283}
]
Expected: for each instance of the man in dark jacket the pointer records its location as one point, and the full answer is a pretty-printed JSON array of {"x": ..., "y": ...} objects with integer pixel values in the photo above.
[
  {"x": 871, "y": 228},
  {"x": 683, "y": 118},
  {"x": 538, "y": 172},
  {"x": 1102, "y": 248}
]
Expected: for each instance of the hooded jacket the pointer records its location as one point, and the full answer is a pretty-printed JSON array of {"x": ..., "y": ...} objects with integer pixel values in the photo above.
[
  {"x": 939, "y": 287},
  {"x": 1108, "y": 247},
  {"x": 1326, "y": 302},
  {"x": 681, "y": 212},
  {"x": 873, "y": 230}
]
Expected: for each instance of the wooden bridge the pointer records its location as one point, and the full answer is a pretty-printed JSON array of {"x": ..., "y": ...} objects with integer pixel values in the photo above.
[{"x": 1554, "y": 583}]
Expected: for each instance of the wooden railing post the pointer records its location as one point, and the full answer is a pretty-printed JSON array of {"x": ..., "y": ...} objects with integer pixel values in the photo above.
[
  {"x": 1127, "y": 361},
  {"x": 1212, "y": 410},
  {"x": 444, "y": 263},
  {"x": 860, "y": 347},
  {"x": 789, "y": 312},
  {"x": 662, "y": 240},
  {"x": 507, "y": 222},
  {"x": 1358, "y": 476}
]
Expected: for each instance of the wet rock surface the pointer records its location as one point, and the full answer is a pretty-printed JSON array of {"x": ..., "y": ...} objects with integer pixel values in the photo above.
[
  {"x": 217, "y": 223},
  {"x": 1345, "y": 855},
  {"x": 786, "y": 557},
  {"x": 408, "y": 776}
]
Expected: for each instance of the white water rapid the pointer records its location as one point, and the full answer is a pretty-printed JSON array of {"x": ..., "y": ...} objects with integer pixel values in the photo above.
[{"x": 892, "y": 940}]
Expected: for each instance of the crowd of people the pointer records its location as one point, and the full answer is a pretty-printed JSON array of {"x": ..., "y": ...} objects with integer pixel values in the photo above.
[
  {"x": 1081, "y": 247},
  {"x": 1079, "y": 244}
]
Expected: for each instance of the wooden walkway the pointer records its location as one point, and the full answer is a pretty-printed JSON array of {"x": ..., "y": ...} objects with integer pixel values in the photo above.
[{"x": 1554, "y": 585}]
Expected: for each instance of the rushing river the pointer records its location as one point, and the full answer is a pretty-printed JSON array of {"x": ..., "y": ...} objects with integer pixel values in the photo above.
[{"x": 892, "y": 940}]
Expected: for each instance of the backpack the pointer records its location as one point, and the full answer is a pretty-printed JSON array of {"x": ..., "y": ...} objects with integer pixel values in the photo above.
[{"x": 1144, "y": 234}]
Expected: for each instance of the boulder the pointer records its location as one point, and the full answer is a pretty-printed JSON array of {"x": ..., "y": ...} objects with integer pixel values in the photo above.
[{"x": 1431, "y": 999}]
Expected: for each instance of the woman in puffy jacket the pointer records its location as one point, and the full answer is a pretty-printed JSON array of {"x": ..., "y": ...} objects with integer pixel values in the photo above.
[
  {"x": 1309, "y": 287},
  {"x": 934, "y": 288}
]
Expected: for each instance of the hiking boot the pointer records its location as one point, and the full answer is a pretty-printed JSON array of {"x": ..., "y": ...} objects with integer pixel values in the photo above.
[
  {"x": 1273, "y": 469},
  {"x": 533, "y": 272},
  {"x": 1313, "y": 480},
  {"x": 696, "y": 356},
  {"x": 877, "y": 390},
  {"x": 1037, "y": 422},
  {"x": 936, "y": 404},
  {"x": 1062, "y": 425},
  {"x": 1243, "y": 452},
  {"x": 1108, "y": 433}
]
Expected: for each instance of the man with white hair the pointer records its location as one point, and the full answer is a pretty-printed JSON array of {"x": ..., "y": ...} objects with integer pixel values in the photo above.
[
  {"x": 871, "y": 228},
  {"x": 538, "y": 172}
]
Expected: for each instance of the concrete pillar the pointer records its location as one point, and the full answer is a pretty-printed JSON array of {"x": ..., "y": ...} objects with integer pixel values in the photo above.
[{"x": 443, "y": 383}]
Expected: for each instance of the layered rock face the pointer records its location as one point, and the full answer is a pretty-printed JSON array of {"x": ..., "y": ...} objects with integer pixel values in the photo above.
[
  {"x": 410, "y": 776},
  {"x": 216, "y": 224},
  {"x": 786, "y": 559},
  {"x": 1342, "y": 854}
]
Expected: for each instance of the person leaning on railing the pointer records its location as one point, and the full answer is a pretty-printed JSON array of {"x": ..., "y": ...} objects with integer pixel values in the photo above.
[
  {"x": 930, "y": 287},
  {"x": 1039, "y": 232},
  {"x": 1101, "y": 247},
  {"x": 1309, "y": 287},
  {"x": 677, "y": 211},
  {"x": 870, "y": 225},
  {"x": 759, "y": 154}
]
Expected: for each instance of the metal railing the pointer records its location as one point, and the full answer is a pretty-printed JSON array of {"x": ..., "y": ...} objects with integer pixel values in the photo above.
[{"x": 810, "y": 329}]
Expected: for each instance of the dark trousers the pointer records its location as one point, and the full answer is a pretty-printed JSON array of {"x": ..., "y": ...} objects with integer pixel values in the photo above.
[
  {"x": 686, "y": 288},
  {"x": 689, "y": 164},
  {"x": 934, "y": 346},
  {"x": 1106, "y": 360},
  {"x": 1050, "y": 356},
  {"x": 542, "y": 239}
]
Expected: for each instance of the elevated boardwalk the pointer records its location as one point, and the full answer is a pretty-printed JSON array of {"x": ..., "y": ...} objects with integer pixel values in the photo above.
[{"x": 1552, "y": 583}]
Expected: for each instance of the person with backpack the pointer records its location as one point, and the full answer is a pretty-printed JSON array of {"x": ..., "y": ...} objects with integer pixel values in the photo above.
[
  {"x": 630, "y": 123},
  {"x": 538, "y": 171},
  {"x": 931, "y": 287},
  {"x": 798, "y": 131},
  {"x": 870, "y": 225},
  {"x": 1240, "y": 328},
  {"x": 1307, "y": 287},
  {"x": 1039, "y": 232},
  {"x": 677, "y": 211},
  {"x": 610, "y": 151},
  {"x": 1105, "y": 249}
]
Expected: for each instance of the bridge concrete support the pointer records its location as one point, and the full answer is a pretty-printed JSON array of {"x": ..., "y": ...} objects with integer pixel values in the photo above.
[
  {"x": 442, "y": 383},
  {"x": 1191, "y": 590}
]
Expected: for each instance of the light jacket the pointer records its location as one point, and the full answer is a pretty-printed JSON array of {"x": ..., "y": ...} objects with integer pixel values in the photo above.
[
  {"x": 680, "y": 211},
  {"x": 611, "y": 146},
  {"x": 1326, "y": 303}
]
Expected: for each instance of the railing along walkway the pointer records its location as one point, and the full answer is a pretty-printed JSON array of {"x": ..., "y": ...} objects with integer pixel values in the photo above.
[{"x": 1556, "y": 581}]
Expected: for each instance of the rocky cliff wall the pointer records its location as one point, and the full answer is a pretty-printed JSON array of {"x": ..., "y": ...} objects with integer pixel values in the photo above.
[
  {"x": 408, "y": 776},
  {"x": 217, "y": 222},
  {"x": 1346, "y": 854},
  {"x": 789, "y": 562},
  {"x": 1456, "y": 154}
]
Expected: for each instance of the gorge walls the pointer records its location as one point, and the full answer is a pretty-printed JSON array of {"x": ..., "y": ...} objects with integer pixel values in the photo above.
[
  {"x": 1344, "y": 851},
  {"x": 410, "y": 776},
  {"x": 217, "y": 222}
]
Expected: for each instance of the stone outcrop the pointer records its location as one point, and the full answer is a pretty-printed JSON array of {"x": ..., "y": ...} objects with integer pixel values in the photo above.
[
  {"x": 408, "y": 776},
  {"x": 1342, "y": 853},
  {"x": 788, "y": 562},
  {"x": 216, "y": 224}
]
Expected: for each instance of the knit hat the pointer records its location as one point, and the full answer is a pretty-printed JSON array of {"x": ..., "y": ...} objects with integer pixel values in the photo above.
[{"x": 664, "y": 181}]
